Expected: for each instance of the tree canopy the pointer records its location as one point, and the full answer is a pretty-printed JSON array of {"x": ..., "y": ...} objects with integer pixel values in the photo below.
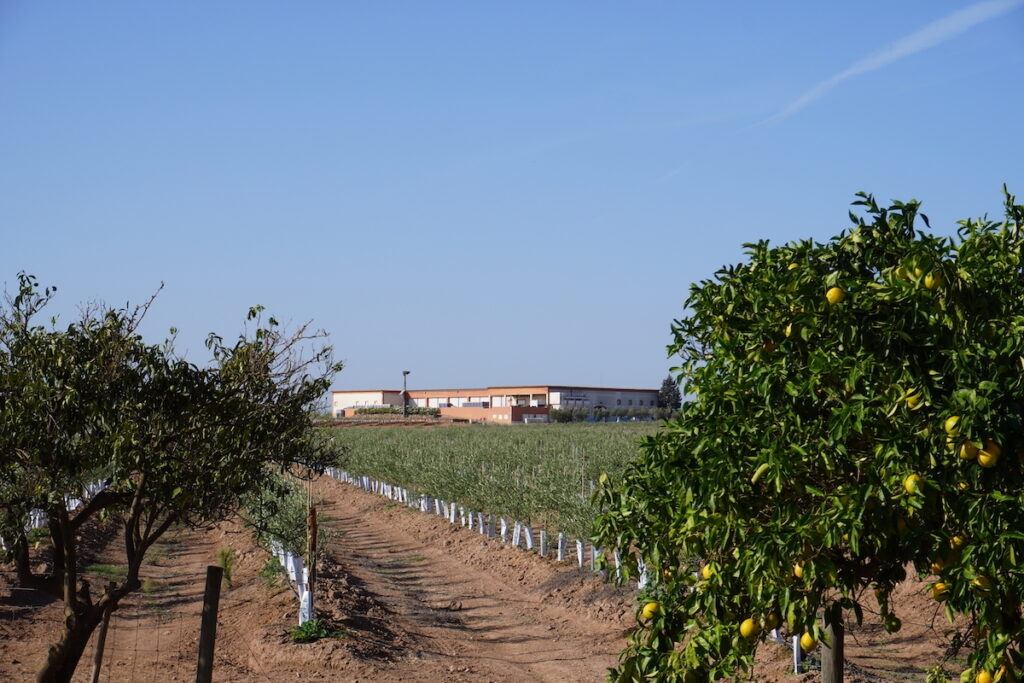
[
  {"x": 857, "y": 410},
  {"x": 173, "y": 442},
  {"x": 669, "y": 395}
]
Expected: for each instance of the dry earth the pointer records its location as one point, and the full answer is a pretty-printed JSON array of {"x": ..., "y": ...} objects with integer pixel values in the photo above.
[{"x": 417, "y": 600}]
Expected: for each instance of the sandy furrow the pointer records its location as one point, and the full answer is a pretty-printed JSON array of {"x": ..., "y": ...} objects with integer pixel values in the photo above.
[{"x": 479, "y": 611}]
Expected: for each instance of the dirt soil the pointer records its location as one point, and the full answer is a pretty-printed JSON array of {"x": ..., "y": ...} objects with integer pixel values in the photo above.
[{"x": 414, "y": 598}]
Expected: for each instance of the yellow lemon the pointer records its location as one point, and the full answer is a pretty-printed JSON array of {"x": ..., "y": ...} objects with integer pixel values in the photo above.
[
  {"x": 937, "y": 567},
  {"x": 792, "y": 266},
  {"x": 968, "y": 451},
  {"x": 933, "y": 280},
  {"x": 749, "y": 628},
  {"x": 789, "y": 330},
  {"x": 835, "y": 295},
  {"x": 950, "y": 425},
  {"x": 982, "y": 583},
  {"x": 940, "y": 591},
  {"x": 957, "y": 542},
  {"x": 912, "y": 484},
  {"x": 798, "y": 570},
  {"x": 983, "y": 677},
  {"x": 807, "y": 642},
  {"x": 707, "y": 571},
  {"x": 650, "y": 611},
  {"x": 962, "y": 486},
  {"x": 989, "y": 455}
]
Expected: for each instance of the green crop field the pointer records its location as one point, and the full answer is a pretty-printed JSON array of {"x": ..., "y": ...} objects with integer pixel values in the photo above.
[{"x": 538, "y": 474}]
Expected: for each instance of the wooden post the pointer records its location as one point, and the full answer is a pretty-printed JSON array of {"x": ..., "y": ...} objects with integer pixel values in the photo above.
[
  {"x": 208, "y": 629},
  {"x": 311, "y": 525},
  {"x": 101, "y": 637},
  {"x": 832, "y": 649}
]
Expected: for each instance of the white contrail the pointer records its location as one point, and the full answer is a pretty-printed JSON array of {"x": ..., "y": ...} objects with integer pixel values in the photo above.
[{"x": 937, "y": 32}]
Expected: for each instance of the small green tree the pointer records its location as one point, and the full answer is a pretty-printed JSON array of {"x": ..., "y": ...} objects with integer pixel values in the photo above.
[
  {"x": 669, "y": 396},
  {"x": 175, "y": 442},
  {"x": 857, "y": 408}
]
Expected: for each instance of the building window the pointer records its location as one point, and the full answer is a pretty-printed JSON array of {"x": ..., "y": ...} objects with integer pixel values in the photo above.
[
  {"x": 630, "y": 401},
  {"x": 618, "y": 401}
]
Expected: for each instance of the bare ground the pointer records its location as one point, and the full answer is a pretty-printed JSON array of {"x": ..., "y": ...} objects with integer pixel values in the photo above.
[{"x": 415, "y": 598}]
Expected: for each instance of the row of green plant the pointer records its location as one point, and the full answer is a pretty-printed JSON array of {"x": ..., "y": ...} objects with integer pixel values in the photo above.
[
  {"x": 563, "y": 415},
  {"x": 397, "y": 410},
  {"x": 543, "y": 474}
]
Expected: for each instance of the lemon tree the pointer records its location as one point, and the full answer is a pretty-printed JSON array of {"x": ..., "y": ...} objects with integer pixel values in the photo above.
[{"x": 855, "y": 414}]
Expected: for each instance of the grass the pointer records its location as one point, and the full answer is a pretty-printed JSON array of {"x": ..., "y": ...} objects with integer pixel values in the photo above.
[
  {"x": 539, "y": 474},
  {"x": 114, "y": 572},
  {"x": 151, "y": 586},
  {"x": 226, "y": 561},
  {"x": 38, "y": 535}
]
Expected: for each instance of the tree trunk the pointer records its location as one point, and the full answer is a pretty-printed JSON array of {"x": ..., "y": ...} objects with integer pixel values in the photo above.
[
  {"x": 22, "y": 563},
  {"x": 63, "y": 657},
  {"x": 832, "y": 650}
]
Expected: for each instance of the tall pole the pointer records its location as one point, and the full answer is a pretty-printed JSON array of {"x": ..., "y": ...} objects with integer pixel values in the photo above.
[{"x": 405, "y": 394}]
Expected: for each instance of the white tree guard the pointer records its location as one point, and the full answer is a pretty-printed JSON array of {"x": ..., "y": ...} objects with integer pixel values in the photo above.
[
  {"x": 504, "y": 530},
  {"x": 528, "y": 532},
  {"x": 560, "y": 556},
  {"x": 641, "y": 567},
  {"x": 579, "y": 553},
  {"x": 543, "y": 543},
  {"x": 481, "y": 524},
  {"x": 797, "y": 655},
  {"x": 306, "y": 608},
  {"x": 517, "y": 530},
  {"x": 451, "y": 513}
]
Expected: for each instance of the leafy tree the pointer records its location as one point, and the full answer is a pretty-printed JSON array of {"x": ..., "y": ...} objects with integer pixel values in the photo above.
[
  {"x": 669, "y": 395},
  {"x": 175, "y": 442},
  {"x": 858, "y": 408}
]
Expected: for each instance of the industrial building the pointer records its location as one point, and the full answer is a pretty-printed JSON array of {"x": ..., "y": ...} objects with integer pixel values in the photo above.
[{"x": 503, "y": 405}]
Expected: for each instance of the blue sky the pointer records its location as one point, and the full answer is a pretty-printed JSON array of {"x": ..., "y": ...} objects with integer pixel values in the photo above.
[{"x": 479, "y": 192}]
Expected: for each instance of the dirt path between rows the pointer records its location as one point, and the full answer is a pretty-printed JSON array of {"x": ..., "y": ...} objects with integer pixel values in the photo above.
[
  {"x": 477, "y": 610},
  {"x": 416, "y": 599}
]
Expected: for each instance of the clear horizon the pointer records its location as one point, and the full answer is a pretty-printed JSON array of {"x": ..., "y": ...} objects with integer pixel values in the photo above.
[{"x": 480, "y": 195}]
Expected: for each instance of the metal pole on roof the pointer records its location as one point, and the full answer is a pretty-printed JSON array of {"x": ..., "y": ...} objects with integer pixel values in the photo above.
[{"x": 405, "y": 395}]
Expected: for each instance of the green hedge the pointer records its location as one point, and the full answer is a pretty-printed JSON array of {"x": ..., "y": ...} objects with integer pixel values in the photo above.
[{"x": 397, "y": 410}]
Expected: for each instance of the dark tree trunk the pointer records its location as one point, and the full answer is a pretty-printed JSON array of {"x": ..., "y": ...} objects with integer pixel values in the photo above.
[
  {"x": 22, "y": 563},
  {"x": 63, "y": 657},
  {"x": 23, "y": 571},
  {"x": 832, "y": 651}
]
